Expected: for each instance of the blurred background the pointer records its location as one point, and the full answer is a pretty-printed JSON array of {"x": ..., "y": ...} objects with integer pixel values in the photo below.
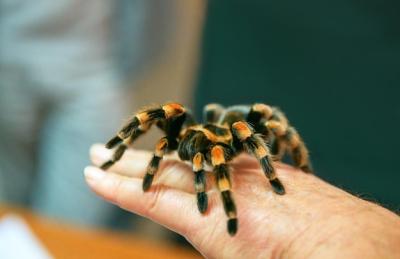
[{"x": 72, "y": 71}]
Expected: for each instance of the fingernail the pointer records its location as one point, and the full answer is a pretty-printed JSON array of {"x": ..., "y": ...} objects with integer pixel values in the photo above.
[
  {"x": 101, "y": 153},
  {"x": 93, "y": 174}
]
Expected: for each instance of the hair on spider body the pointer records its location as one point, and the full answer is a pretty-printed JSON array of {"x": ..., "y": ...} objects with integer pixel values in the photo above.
[{"x": 224, "y": 133}]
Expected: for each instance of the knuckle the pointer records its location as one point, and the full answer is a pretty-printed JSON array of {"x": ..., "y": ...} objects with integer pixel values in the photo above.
[
  {"x": 117, "y": 191},
  {"x": 154, "y": 199}
]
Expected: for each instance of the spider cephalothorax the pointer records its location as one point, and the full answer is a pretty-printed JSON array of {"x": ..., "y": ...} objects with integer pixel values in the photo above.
[{"x": 261, "y": 130}]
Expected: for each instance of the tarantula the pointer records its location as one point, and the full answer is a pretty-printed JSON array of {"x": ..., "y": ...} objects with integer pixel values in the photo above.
[{"x": 261, "y": 130}]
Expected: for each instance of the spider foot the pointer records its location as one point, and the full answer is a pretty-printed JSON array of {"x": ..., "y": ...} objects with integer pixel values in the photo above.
[
  {"x": 232, "y": 226},
  {"x": 202, "y": 201},
  {"x": 277, "y": 186},
  {"x": 116, "y": 156},
  {"x": 106, "y": 165},
  {"x": 113, "y": 142},
  {"x": 147, "y": 180}
]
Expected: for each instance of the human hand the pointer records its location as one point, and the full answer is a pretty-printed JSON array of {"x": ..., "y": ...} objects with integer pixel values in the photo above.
[{"x": 312, "y": 220}]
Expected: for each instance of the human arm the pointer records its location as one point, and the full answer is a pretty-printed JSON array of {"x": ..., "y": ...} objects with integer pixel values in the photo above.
[{"x": 312, "y": 220}]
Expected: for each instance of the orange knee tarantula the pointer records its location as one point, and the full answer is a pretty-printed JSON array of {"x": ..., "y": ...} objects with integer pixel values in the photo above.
[{"x": 225, "y": 133}]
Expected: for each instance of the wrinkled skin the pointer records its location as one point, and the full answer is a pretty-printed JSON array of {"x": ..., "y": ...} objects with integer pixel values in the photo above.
[{"x": 312, "y": 220}]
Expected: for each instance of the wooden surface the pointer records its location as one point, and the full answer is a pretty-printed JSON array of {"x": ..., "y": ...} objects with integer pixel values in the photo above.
[{"x": 65, "y": 241}]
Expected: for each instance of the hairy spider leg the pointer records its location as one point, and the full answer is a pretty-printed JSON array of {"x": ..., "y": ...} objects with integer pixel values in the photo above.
[
  {"x": 172, "y": 127},
  {"x": 279, "y": 146},
  {"x": 221, "y": 171},
  {"x": 257, "y": 116},
  {"x": 122, "y": 146},
  {"x": 139, "y": 124},
  {"x": 193, "y": 146},
  {"x": 298, "y": 150},
  {"x": 115, "y": 157},
  {"x": 256, "y": 146},
  {"x": 146, "y": 117},
  {"x": 154, "y": 164},
  {"x": 212, "y": 112},
  {"x": 200, "y": 181},
  {"x": 266, "y": 120},
  {"x": 258, "y": 112},
  {"x": 295, "y": 144}
]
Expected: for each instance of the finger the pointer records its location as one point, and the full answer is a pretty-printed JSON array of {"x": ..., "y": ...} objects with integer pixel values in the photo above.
[
  {"x": 101, "y": 154},
  {"x": 134, "y": 163},
  {"x": 170, "y": 207}
]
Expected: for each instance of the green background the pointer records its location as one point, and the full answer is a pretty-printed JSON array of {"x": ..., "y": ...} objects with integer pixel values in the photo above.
[{"x": 332, "y": 66}]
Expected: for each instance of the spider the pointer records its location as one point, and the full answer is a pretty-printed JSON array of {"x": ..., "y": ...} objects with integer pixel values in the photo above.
[{"x": 259, "y": 129}]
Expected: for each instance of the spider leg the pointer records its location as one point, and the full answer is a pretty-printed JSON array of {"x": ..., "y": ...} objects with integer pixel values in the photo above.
[
  {"x": 200, "y": 182},
  {"x": 278, "y": 145},
  {"x": 116, "y": 156},
  {"x": 295, "y": 144},
  {"x": 298, "y": 150},
  {"x": 146, "y": 117},
  {"x": 221, "y": 171},
  {"x": 272, "y": 119},
  {"x": 259, "y": 113},
  {"x": 212, "y": 112},
  {"x": 154, "y": 164},
  {"x": 138, "y": 125},
  {"x": 172, "y": 127},
  {"x": 123, "y": 145},
  {"x": 256, "y": 146}
]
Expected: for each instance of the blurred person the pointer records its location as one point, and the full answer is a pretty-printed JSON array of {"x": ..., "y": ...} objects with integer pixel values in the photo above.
[{"x": 63, "y": 65}]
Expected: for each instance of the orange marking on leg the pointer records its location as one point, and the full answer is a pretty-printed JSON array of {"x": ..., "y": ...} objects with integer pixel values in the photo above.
[
  {"x": 272, "y": 176},
  {"x": 264, "y": 109},
  {"x": 295, "y": 140},
  {"x": 211, "y": 136},
  {"x": 276, "y": 126},
  {"x": 173, "y": 109},
  {"x": 161, "y": 144},
  {"x": 198, "y": 162},
  {"x": 261, "y": 152},
  {"x": 217, "y": 156},
  {"x": 160, "y": 147},
  {"x": 242, "y": 130},
  {"x": 199, "y": 187},
  {"x": 176, "y": 106},
  {"x": 143, "y": 117},
  {"x": 304, "y": 157},
  {"x": 224, "y": 184},
  {"x": 231, "y": 214}
]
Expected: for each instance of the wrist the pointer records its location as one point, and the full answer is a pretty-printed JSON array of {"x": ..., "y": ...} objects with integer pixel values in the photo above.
[{"x": 364, "y": 230}]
